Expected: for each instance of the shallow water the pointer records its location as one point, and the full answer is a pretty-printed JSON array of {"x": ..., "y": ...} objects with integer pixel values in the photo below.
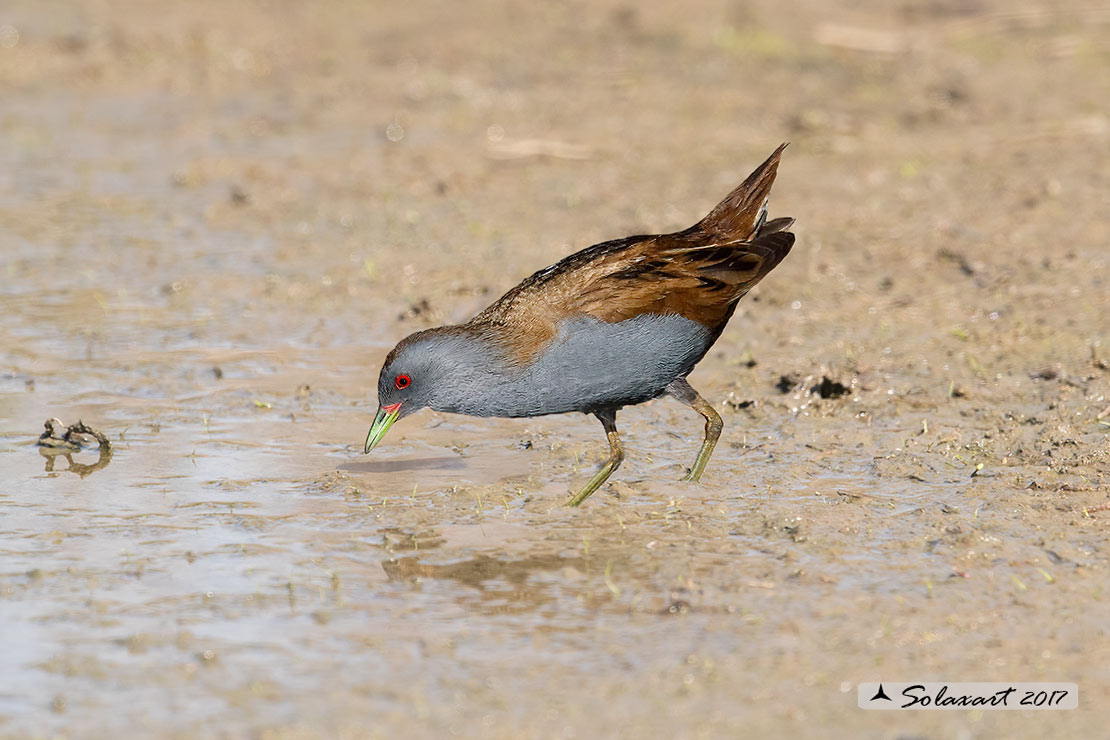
[{"x": 216, "y": 221}]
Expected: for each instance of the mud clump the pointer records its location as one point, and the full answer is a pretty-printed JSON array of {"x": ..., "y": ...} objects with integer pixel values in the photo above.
[
  {"x": 419, "y": 309},
  {"x": 787, "y": 383},
  {"x": 73, "y": 437},
  {"x": 826, "y": 387},
  {"x": 59, "y": 440},
  {"x": 829, "y": 388}
]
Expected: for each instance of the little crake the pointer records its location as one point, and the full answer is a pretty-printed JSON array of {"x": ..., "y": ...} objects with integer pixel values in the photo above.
[{"x": 617, "y": 324}]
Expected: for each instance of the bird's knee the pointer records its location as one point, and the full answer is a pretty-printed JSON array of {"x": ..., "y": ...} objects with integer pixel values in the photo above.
[{"x": 714, "y": 426}]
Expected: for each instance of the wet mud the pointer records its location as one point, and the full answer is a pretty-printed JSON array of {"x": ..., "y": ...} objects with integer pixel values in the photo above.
[{"x": 215, "y": 220}]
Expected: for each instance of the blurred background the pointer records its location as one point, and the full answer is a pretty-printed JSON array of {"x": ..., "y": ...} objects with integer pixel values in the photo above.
[{"x": 216, "y": 218}]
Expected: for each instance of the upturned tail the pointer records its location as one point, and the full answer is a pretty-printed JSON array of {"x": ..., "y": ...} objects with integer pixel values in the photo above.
[{"x": 743, "y": 213}]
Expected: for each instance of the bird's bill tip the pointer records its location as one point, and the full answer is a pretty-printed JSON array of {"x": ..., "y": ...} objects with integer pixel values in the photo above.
[{"x": 383, "y": 420}]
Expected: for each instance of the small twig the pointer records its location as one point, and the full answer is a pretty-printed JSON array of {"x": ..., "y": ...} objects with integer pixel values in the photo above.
[
  {"x": 1097, "y": 361},
  {"x": 82, "y": 428},
  {"x": 852, "y": 496}
]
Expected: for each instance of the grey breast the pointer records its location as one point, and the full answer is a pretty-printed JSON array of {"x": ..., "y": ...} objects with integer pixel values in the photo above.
[{"x": 593, "y": 364}]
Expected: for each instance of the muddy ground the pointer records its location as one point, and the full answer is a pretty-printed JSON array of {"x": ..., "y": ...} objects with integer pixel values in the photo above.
[{"x": 216, "y": 219}]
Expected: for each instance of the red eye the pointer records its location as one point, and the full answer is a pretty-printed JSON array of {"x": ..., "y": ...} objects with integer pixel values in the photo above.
[{"x": 402, "y": 382}]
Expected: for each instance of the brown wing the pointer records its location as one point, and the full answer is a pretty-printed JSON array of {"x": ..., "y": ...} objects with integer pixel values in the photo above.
[
  {"x": 699, "y": 273},
  {"x": 699, "y": 281}
]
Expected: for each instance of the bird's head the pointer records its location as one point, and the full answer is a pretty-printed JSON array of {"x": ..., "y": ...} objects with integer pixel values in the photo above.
[{"x": 428, "y": 369}]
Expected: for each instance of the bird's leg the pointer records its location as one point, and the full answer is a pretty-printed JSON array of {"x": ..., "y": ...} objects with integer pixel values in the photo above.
[
  {"x": 680, "y": 390},
  {"x": 608, "y": 420}
]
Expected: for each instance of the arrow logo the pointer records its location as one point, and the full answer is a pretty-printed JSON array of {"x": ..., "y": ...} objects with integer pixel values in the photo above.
[{"x": 880, "y": 694}]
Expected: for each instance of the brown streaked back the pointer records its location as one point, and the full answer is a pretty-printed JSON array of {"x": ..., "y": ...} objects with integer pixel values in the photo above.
[{"x": 699, "y": 273}]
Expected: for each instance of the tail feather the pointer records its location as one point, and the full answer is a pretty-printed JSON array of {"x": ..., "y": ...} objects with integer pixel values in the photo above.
[
  {"x": 774, "y": 225},
  {"x": 743, "y": 212}
]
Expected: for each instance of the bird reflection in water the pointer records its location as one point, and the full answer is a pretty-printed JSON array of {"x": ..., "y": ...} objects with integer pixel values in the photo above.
[{"x": 503, "y": 585}]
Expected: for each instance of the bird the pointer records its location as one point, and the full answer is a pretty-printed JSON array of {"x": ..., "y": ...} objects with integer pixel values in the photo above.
[{"x": 613, "y": 325}]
